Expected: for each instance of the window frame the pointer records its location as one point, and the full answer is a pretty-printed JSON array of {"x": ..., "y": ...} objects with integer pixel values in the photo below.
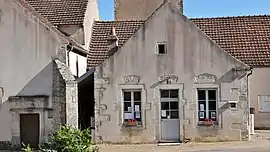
[
  {"x": 169, "y": 100},
  {"x": 165, "y": 47},
  {"x": 132, "y": 104},
  {"x": 259, "y": 103},
  {"x": 207, "y": 111}
]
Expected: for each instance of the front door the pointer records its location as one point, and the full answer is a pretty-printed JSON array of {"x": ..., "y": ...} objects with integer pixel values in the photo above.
[
  {"x": 170, "y": 125},
  {"x": 29, "y": 129}
]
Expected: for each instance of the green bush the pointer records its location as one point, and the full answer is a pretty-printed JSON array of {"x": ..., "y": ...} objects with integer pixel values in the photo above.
[
  {"x": 27, "y": 148},
  {"x": 69, "y": 139}
]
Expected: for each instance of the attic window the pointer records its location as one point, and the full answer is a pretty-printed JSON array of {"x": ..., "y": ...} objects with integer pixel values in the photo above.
[{"x": 161, "y": 48}]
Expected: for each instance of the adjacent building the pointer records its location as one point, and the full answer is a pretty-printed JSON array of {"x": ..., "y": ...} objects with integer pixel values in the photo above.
[{"x": 42, "y": 55}]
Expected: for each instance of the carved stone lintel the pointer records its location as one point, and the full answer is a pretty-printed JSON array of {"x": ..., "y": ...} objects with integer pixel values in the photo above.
[
  {"x": 169, "y": 77},
  {"x": 104, "y": 117},
  {"x": 131, "y": 79},
  {"x": 103, "y": 107},
  {"x": 205, "y": 78}
]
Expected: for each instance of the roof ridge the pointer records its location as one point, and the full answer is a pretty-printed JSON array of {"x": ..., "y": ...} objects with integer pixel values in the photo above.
[
  {"x": 46, "y": 22},
  {"x": 223, "y": 17}
]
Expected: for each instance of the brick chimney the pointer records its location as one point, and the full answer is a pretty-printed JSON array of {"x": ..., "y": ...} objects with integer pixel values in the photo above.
[{"x": 112, "y": 42}]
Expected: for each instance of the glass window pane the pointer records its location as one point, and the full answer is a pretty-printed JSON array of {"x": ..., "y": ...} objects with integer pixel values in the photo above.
[
  {"x": 201, "y": 95},
  {"x": 165, "y": 115},
  {"x": 202, "y": 106},
  {"x": 127, "y": 96},
  {"x": 212, "y": 105},
  {"x": 137, "y": 106},
  {"x": 164, "y": 105},
  {"x": 164, "y": 93},
  {"x": 202, "y": 115},
  {"x": 212, "y": 115},
  {"x": 128, "y": 113},
  {"x": 212, "y": 95},
  {"x": 137, "y": 116},
  {"x": 174, "y": 114},
  {"x": 137, "y": 96},
  {"x": 174, "y": 105},
  {"x": 174, "y": 93},
  {"x": 127, "y": 106}
]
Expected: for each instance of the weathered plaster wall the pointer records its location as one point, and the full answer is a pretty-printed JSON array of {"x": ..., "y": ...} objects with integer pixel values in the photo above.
[
  {"x": 91, "y": 14},
  {"x": 259, "y": 85},
  {"x": 27, "y": 47},
  {"x": 82, "y": 63},
  {"x": 190, "y": 53},
  {"x": 139, "y": 9}
]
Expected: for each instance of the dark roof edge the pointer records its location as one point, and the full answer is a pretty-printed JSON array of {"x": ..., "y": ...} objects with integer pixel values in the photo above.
[{"x": 224, "y": 17}]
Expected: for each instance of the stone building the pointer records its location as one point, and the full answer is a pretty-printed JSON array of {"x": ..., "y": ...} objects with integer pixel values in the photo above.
[
  {"x": 42, "y": 54},
  {"x": 165, "y": 78},
  {"x": 244, "y": 37}
]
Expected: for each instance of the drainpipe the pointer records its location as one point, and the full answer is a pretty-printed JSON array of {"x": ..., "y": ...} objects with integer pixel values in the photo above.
[{"x": 250, "y": 116}]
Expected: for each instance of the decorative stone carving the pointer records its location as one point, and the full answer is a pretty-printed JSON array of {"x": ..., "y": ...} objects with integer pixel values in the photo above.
[
  {"x": 131, "y": 79},
  {"x": 103, "y": 107},
  {"x": 169, "y": 77},
  {"x": 104, "y": 117},
  {"x": 205, "y": 78}
]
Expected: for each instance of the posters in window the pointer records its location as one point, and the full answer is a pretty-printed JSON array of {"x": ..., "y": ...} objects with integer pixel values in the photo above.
[
  {"x": 137, "y": 108},
  {"x": 201, "y": 106},
  {"x": 129, "y": 108},
  {"x": 201, "y": 115},
  {"x": 213, "y": 115},
  {"x": 138, "y": 115},
  {"x": 128, "y": 116},
  {"x": 163, "y": 113}
]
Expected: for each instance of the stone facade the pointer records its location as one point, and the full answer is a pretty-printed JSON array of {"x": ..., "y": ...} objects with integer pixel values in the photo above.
[{"x": 192, "y": 62}]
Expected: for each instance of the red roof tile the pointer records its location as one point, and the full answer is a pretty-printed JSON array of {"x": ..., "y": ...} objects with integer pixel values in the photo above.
[
  {"x": 101, "y": 30},
  {"x": 61, "y": 12},
  {"x": 245, "y": 37}
]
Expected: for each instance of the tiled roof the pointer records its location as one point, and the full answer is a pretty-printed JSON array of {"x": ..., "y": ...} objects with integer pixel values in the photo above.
[
  {"x": 101, "y": 30},
  {"x": 61, "y": 12},
  {"x": 245, "y": 37}
]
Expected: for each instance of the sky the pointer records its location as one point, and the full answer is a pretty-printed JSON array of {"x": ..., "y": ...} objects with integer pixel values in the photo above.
[{"x": 205, "y": 8}]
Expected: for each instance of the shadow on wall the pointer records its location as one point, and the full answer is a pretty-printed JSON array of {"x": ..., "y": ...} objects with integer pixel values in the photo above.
[{"x": 39, "y": 85}]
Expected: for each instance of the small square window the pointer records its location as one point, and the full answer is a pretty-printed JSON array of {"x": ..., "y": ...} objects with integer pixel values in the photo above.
[
  {"x": 161, "y": 49},
  {"x": 233, "y": 105}
]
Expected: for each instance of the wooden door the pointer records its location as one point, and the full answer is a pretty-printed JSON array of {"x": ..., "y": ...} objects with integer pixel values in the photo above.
[{"x": 29, "y": 129}]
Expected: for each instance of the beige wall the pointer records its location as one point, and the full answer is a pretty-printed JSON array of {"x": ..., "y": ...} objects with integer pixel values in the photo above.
[
  {"x": 259, "y": 85},
  {"x": 27, "y": 47},
  {"x": 139, "y": 9},
  {"x": 190, "y": 53},
  {"x": 91, "y": 14}
]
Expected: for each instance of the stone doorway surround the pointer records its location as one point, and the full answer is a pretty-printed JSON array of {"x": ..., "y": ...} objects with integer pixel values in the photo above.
[{"x": 28, "y": 105}]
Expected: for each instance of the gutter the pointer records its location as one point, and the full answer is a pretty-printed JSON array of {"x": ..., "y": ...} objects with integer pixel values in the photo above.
[{"x": 250, "y": 73}]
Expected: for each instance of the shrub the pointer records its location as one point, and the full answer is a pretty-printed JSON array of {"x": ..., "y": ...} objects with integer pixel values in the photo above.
[
  {"x": 27, "y": 148},
  {"x": 69, "y": 139}
]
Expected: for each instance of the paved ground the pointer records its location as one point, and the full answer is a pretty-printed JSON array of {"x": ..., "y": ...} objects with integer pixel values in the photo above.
[{"x": 260, "y": 143}]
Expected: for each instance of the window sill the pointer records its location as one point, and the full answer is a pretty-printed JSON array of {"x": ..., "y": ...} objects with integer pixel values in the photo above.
[
  {"x": 132, "y": 127},
  {"x": 201, "y": 123}
]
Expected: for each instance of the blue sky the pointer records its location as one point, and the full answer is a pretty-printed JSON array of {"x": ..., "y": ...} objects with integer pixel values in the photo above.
[{"x": 205, "y": 8}]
